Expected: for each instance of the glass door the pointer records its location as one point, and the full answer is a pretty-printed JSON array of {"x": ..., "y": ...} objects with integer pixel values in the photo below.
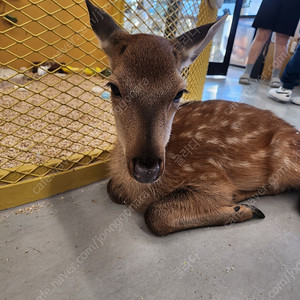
[
  {"x": 223, "y": 41},
  {"x": 244, "y": 34},
  {"x": 231, "y": 45}
]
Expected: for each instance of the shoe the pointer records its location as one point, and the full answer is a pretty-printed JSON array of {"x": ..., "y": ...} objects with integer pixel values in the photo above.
[
  {"x": 244, "y": 79},
  {"x": 275, "y": 82},
  {"x": 281, "y": 94},
  {"x": 296, "y": 100}
]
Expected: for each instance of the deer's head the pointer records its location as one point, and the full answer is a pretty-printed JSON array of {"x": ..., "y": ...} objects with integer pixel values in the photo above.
[{"x": 146, "y": 87}]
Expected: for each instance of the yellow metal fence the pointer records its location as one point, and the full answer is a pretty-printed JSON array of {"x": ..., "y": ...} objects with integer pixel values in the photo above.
[{"x": 55, "y": 113}]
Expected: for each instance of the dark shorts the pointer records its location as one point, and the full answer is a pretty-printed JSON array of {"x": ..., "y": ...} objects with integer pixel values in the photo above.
[{"x": 280, "y": 16}]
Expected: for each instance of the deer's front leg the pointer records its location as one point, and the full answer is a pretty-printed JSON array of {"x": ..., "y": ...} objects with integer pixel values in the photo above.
[
  {"x": 183, "y": 210},
  {"x": 113, "y": 195}
]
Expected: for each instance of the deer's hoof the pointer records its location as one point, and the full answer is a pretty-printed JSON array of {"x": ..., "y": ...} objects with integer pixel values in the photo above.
[
  {"x": 112, "y": 196},
  {"x": 257, "y": 213}
]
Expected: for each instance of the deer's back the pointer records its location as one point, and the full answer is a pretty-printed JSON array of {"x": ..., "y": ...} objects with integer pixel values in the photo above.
[{"x": 221, "y": 138}]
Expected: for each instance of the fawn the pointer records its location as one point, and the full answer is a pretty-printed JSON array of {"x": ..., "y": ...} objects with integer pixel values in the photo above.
[{"x": 187, "y": 165}]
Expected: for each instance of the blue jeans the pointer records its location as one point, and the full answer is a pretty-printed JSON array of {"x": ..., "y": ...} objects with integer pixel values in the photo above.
[{"x": 291, "y": 73}]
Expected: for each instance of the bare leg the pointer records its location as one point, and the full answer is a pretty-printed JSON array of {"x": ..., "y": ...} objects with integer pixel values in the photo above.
[
  {"x": 181, "y": 211},
  {"x": 259, "y": 41},
  {"x": 280, "y": 55}
]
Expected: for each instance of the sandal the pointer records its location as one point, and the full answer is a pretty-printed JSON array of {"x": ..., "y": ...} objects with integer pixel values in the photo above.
[{"x": 244, "y": 80}]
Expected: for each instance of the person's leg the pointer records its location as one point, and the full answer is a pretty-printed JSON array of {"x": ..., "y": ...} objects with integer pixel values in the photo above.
[
  {"x": 280, "y": 55},
  {"x": 291, "y": 73},
  {"x": 259, "y": 41},
  {"x": 289, "y": 79}
]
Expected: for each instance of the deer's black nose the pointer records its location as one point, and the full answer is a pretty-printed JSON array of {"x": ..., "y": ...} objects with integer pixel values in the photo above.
[{"x": 146, "y": 171}]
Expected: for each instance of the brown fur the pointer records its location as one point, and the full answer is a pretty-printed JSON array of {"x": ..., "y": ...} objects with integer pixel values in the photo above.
[{"x": 218, "y": 152}]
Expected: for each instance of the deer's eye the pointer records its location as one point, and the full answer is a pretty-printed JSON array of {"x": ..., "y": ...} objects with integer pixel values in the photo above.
[
  {"x": 179, "y": 95},
  {"x": 114, "y": 89}
]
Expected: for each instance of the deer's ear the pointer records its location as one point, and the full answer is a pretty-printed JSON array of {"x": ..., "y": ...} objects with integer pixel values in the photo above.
[
  {"x": 191, "y": 43},
  {"x": 102, "y": 23}
]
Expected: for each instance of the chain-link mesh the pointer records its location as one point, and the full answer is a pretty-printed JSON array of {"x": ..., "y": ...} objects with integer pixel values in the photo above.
[{"x": 55, "y": 111}]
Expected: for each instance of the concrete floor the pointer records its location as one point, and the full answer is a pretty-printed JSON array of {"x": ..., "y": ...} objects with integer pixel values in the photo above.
[{"x": 80, "y": 245}]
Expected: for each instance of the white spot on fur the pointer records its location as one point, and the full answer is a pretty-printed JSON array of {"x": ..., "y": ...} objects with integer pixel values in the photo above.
[
  {"x": 239, "y": 164},
  {"x": 204, "y": 177},
  {"x": 224, "y": 123},
  {"x": 258, "y": 155},
  {"x": 213, "y": 141},
  {"x": 201, "y": 127},
  {"x": 188, "y": 169},
  {"x": 215, "y": 121},
  {"x": 235, "y": 126},
  {"x": 214, "y": 163},
  {"x": 225, "y": 156},
  {"x": 189, "y": 134},
  {"x": 233, "y": 140},
  {"x": 251, "y": 135},
  {"x": 277, "y": 153},
  {"x": 199, "y": 136},
  {"x": 242, "y": 164},
  {"x": 172, "y": 155},
  {"x": 209, "y": 176}
]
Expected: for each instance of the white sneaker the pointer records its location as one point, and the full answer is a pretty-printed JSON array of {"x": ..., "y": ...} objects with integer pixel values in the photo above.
[
  {"x": 281, "y": 95},
  {"x": 296, "y": 100}
]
